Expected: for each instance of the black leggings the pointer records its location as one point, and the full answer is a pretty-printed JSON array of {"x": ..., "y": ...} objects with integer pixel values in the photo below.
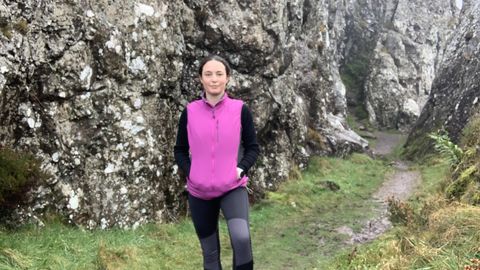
[{"x": 205, "y": 215}]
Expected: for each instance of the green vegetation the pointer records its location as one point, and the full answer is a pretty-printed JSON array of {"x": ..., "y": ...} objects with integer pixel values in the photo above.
[
  {"x": 439, "y": 228},
  {"x": 293, "y": 228},
  {"x": 301, "y": 217},
  {"x": 452, "y": 152},
  {"x": 7, "y": 27},
  {"x": 353, "y": 76},
  {"x": 465, "y": 180},
  {"x": 21, "y": 26},
  {"x": 431, "y": 232},
  {"x": 6, "y": 31},
  {"x": 354, "y": 73},
  {"x": 420, "y": 146},
  {"x": 19, "y": 172}
]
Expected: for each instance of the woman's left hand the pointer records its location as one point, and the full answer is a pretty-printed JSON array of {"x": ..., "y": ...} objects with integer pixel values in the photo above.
[{"x": 239, "y": 173}]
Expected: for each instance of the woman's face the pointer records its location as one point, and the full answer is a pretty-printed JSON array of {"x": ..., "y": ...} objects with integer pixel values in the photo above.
[{"x": 214, "y": 78}]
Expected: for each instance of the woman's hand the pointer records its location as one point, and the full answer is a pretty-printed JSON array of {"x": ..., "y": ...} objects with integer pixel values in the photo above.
[{"x": 240, "y": 173}]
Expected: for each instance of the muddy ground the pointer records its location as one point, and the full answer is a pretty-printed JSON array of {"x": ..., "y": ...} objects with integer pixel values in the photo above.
[{"x": 400, "y": 185}]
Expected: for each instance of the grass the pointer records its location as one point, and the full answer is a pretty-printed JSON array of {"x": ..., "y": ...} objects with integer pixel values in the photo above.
[
  {"x": 304, "y": 214},
  {"x": 293, "y": 228},
  {"x": 442, "y": 234},
  {"x": 58, "y": 246}
]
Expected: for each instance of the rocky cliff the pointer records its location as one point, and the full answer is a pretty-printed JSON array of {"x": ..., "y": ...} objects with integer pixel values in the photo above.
[
  {"x": 95, "y": 89},
  {"x": 454, "y": 99},
  {"x": 395, "y": 48}
]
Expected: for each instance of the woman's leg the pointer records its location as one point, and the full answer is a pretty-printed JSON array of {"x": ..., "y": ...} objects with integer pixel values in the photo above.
[
  {"x": 205, "y": 220},
  {"x": 235, "y": 209}
]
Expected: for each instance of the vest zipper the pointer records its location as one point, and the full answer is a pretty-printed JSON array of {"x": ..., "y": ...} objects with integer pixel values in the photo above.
[{"x": 213, "y": 147}]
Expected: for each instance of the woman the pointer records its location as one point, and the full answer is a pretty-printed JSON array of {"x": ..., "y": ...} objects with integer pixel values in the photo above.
[{"x": 216, "y": 146}]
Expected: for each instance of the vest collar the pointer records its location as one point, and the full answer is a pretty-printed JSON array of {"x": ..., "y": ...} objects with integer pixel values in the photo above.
[{"x": 219, "y": 103}]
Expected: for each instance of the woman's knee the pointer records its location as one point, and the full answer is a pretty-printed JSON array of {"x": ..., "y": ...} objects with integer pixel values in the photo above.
[{"x": 239, "y": 233}]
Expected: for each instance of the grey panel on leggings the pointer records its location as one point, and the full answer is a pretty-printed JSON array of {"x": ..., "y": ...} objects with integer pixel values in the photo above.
[
  {"x": 210, "y": 252},
  {"x": 240, "y": 235}
]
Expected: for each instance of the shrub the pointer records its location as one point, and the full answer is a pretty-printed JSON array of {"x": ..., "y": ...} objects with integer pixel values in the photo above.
[
  {"x": 465, "y": 177},
  {"x": 400, "y": 212},
  {"x": 19, "y": 173},
  {"x": 447, "y": 148}
]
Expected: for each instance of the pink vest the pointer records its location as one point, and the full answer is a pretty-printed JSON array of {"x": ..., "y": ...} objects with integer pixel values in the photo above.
[{"x": 214, "y": 137}]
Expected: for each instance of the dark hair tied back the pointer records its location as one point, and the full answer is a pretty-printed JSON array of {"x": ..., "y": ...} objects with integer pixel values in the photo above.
[{"x": 216, "y": 58}]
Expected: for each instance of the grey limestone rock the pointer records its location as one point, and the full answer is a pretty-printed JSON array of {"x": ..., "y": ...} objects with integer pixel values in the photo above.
[
  {"x": 455, "y": 94},
  {"x": 95, "y": 88}
]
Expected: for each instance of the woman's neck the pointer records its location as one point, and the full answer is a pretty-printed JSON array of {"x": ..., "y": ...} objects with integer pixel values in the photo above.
[{"x": 213, "y": 99}]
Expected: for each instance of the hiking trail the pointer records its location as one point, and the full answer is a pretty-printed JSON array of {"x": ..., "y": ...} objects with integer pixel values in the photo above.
[{"x": 399, "y": 184}]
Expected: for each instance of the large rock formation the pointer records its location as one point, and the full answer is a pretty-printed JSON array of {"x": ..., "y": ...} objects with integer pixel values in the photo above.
[
  {"x": 394, "y": 51},
  {"x": 95, "y": 89},
  {"x": 405, "y": 61},
  {"x": 456, "y": 89}
]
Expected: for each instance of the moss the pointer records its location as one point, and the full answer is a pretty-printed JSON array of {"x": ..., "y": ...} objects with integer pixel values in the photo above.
[
  {"x": 360, "y": 112},
  {"x": 316, "y": 138},
  {"x": 322, "y": 28},
  {"x": 294, "y": 173},
  {"x": 21, "y": 26},
  {"x": 418, "y": 149},
  {"x": 6, "y": 31},
  {"x": 19, "y": 172},
  {"x": 353, "y": 75},
  {"x": 470, "y": 134}
]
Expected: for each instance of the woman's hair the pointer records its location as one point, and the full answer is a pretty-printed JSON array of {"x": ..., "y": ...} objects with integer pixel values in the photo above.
[{"x": 216, "y": 58}]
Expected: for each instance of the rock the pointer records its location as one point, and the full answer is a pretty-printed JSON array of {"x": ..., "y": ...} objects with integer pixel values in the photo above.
[
  {"x": 330, "y": 185},
  {"x": 391, "y": 55},
  {"x": 96, "y": 92},
  {"x": 456, "y": 89}
]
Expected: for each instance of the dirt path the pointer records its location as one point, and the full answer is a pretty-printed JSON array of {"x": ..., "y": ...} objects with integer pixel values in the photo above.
[{"x": 400, "y": 185}]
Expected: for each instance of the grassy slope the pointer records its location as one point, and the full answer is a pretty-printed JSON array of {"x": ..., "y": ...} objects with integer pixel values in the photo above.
[
  {"x": 438, "y": 235},
  {"x": 293, "y": 228}
]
